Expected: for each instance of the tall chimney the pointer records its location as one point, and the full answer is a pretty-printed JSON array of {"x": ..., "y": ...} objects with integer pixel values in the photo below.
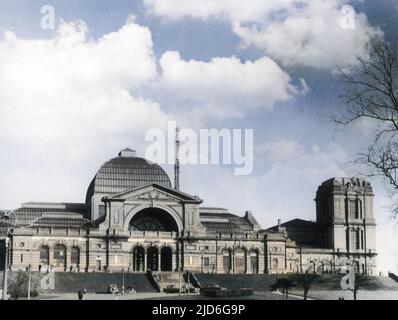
[{"x": 176, "y": 160}]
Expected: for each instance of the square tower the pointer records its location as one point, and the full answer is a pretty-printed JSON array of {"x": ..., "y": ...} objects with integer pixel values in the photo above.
[{"x": 344, "y": 213}]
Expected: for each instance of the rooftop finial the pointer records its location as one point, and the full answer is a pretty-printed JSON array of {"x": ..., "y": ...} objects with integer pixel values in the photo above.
[{"x": 127, "y": 153}]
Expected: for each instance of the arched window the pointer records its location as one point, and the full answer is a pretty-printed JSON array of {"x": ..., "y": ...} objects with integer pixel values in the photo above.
[
  {"x": 138, "y": 259},
  {"x": 166, "y": 258},
  {"x": 240, "y": 260},
  {"x": 75, "y": 256},
  {"x": 153, "y": 259},
  {"x": 226, "y": 261},
  {"x": 253, "y": 261},
  {"x": 45, "y": 255},
  {"x": 60, "y": 256}
]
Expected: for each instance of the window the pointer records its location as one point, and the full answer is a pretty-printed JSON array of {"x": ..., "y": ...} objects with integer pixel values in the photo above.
[
  {"x": 274, "y": 263},
  {"x": 44, "y": 255},
  {"x": 206, "y": 261},
  {"x": 75, "y": 256},
  {"x": 362, "y": 244},
  {"x": 354, "y": 239},
  {"x": 59, "y": 255},
  {"x": 353, "y": 209},
  {"x": 21, "y": 258}
]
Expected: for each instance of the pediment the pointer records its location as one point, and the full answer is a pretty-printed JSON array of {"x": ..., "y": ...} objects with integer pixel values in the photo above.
[{"x": 153, "y": 193}]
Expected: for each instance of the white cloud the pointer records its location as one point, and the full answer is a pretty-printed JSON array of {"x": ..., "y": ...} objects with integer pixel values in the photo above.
[
  {"x": 227, "y": 87},
  {"x": 312, "y": 37},
  {"x": 67, "y": 102},
  {"x": 304, "y": 33},
  {"x": 280, "y": 188},
  {"x": 283, "y": 150},
  {"x": 235, "y": 10}
]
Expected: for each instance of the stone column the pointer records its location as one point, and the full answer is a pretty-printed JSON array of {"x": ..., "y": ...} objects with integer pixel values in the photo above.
[
  {"x": 248, "y": 264},
  {"x": 174, "y": 266}
]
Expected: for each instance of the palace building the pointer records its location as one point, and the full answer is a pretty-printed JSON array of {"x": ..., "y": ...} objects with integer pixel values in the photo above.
[{"x": 133, "y": 219}]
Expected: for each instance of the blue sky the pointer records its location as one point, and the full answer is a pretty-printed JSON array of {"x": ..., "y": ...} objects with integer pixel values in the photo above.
[{"x": 62, "y": 120}]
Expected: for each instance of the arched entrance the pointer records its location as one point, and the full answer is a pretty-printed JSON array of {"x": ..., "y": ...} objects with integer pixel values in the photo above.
[
  {"x": 253, "y": 262},
  {"x": 153, "y": 259},
  {"x": 60, "y": 257},
  {"x": 44, "y": 256},
  {"x": 138, "y": 256},
  {"x": 75, "y": 256},
  {"x": 166, "y": 259},
  {"x": 240, "y": 260},
  {"x": 226, "y": 255},
  {"x": 321, "y": 267}
]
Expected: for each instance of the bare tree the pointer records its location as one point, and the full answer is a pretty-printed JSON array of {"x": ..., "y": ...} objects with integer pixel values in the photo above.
[
  {"x": 360, "y": 281},
  {"x": 306, "y": 281},
  {"x": 284, "y": 284},
  {"x": 372, "y": 95}
]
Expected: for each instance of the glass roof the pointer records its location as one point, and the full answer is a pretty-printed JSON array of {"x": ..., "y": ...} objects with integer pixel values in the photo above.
[{"x": 125, "y": 173}]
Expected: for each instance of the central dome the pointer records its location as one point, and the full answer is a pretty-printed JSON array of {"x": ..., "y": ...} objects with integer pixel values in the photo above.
[{"x": 124, "y": 173}]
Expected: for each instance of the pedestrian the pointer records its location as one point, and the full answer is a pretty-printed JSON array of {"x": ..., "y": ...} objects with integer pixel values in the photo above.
[{"x": 80, "y": 294}]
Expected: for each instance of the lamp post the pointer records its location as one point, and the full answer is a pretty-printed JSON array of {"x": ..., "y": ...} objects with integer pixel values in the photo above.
[
  {"x": 29, "y": 279},
  {"x": 188, "y": 283},
  {"x": 4, "y": 295},
  {"x": 123, "y": 281},
  {"x": 270, "y": 262},
  {"x": 201, "y": 263},
  {"x": 179, "y": 278},
  {"x": 216, "y": 267}
]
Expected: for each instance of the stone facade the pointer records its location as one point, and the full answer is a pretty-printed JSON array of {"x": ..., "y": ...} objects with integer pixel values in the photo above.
[{"x": 154, "y": 227}]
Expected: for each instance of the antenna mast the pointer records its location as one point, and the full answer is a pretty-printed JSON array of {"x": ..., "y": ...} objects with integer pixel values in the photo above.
[{"x": 177, "y": 161}]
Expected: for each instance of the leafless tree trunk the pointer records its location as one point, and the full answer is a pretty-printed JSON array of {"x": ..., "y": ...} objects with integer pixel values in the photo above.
[
  {"x": 372, "y": 95},
  {"x": 361, "y": 280}
]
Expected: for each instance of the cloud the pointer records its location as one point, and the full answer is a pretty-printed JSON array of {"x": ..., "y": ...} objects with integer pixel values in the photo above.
[
  {"x": 235, "y": 10},
  {"x": 227, "y": 87},
  {"x": 312, "y": 37},
  {"x": 67, "y": 104},
  {"x": 283, "y": 185},
  {"x": 294, "y": 33},
  {"x": 283, "y": 150}
]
